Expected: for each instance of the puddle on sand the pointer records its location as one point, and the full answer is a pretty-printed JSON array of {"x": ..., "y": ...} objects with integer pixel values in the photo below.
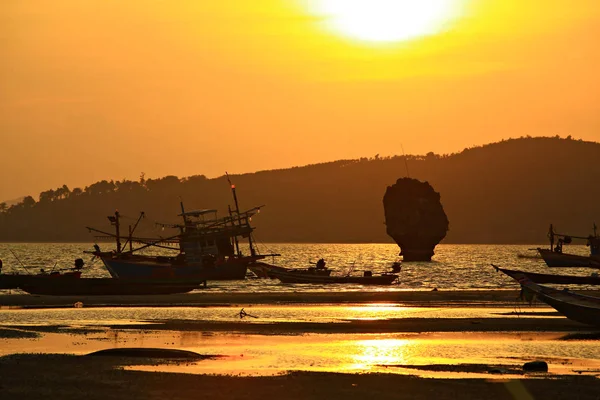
[
  {"x": 352, "y": 353},
  {"x": 250, "y": 355}
]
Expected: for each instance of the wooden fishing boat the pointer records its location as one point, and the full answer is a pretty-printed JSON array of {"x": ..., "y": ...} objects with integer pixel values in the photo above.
[
  {"x": 207, "y": 247},
  {"x": 551, "y": 278},
  {"x": 107, "y": 286},
  {"x": 575, "y": 306},
  {"x": 291, "y": 276}
]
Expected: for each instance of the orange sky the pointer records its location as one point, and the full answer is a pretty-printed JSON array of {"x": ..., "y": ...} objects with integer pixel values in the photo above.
[{"x": 95, "y": 89}]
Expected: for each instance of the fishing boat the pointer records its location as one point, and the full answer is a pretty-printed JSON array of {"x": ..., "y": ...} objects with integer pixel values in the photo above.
[
  {"x": 551, "y": 278},
  {"x": 556, "y": 258},
  {"x": 208, "y": 248},
  {"x": 575, "y": 306}
]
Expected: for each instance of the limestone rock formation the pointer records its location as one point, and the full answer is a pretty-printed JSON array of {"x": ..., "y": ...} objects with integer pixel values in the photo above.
[{"x": 415, "y": 218}]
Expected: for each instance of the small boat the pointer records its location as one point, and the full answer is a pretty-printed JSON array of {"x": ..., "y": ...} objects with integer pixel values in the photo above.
[
  {"x": 576, "y": 307},
  {"x": 263, "y": 270},
  {"x": 295, "y": 277},
  {"x": 302, "y": 276},
  {"x": 107, "y": 286},
  {"x": 556, "y": 258},
  {"x": 15, "y": 281},
  {"x": 551, "y": 278}
]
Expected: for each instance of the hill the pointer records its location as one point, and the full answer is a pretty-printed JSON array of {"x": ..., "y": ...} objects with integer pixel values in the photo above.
[{"x": 505, "y": 192}]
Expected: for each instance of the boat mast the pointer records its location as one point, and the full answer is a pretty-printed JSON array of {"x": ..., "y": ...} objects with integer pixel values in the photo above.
[
  {"x": 235, "y": 239},
  {"x": 237, "y": 210},
  {"x": 551, "y": 236},
  {"x": 115, "y": 220},
  {"x": 130, "y": 239}
]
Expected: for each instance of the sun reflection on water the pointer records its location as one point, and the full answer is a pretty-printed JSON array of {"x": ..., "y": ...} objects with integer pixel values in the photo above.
[{"x": 373, "y": 352}]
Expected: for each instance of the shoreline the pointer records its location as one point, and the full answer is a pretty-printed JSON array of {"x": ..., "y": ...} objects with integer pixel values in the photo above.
[
  {"x": 415, "y": 298},
  {"x": 422, "y": 298}
]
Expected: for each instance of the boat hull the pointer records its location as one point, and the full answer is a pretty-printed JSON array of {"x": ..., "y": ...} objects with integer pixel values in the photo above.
[
  {"x": 562, "y": 260},
  {"x": 555, "y": 279},
  {"x": 15, "y": 281},
  {"x": 156, "y": 269},
  {"x": 106, "y": 287},
  {"x": 264, "y": 270},
  {"x": 576, "y": 307}
]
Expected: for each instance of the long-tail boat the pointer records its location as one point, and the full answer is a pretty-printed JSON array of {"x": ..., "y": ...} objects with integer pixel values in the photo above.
[
  {"x": 106, "y": 286},
  {"x": 556, "y": 258},
  {"x": 316, "y": 277},
  {"x": 575, "y": 306},
  {"x": 16, "y": 280},
  {"x": 551, "y": 278}
]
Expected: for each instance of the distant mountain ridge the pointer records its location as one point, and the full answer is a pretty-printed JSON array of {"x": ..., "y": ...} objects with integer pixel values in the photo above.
[{"x": 504, "y": 192}]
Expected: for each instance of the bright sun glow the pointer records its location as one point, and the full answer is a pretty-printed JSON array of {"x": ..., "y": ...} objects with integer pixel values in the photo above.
[{"x": 387, "y": 20}]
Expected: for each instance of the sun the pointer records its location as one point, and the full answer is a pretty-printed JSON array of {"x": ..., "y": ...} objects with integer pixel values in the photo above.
[{"x": 387, "y": 20}]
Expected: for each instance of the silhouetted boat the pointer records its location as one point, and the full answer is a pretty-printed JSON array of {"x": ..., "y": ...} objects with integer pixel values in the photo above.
[
  {"x": 106, "y": 286},
  {"x": 551, "y": 278},
  {"x": 577, "y": 307},
  {"x": 208, "y": 248},
  {"x": 15, "y": 281},
  {"x": 555, "y": 258},
  {"x": 315, "y": 277},
  {"x": 264, "y": 270}
]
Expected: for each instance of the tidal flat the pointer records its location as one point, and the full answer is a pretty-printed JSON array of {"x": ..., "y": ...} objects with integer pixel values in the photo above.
[{"x": 408, "y": 344}]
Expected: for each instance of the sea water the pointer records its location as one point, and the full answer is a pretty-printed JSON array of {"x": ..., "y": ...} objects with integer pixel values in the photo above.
[{"x": 454, "y": 266}]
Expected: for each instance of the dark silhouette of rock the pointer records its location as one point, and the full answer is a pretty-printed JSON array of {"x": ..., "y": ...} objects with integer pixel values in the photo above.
[
  {"x": 149, "y": 353},
  {"x": 415, "y": 218},
  {"x": 535, "y": 366}
]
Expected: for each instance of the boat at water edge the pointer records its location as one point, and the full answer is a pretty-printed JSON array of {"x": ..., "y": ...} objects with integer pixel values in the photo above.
[
  {"x": 107, "y": 286},
  {"x": 17, "y": 280},
  {"x": 551, "y": 278},
  {"x": 577, "y": 307}
]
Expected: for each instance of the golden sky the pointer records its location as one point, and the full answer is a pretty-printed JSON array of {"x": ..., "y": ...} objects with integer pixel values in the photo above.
[{"x": 106, "y": 89}]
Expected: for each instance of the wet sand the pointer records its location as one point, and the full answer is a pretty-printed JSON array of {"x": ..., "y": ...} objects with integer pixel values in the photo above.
[
  {"x": 197, "y": 299},
  {"x": 34, "y": 376},
  {"x": 62, "y": 377}
]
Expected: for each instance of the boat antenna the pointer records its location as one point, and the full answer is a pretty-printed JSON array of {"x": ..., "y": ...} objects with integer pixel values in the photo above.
[{"x": 405, "y": 161}]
